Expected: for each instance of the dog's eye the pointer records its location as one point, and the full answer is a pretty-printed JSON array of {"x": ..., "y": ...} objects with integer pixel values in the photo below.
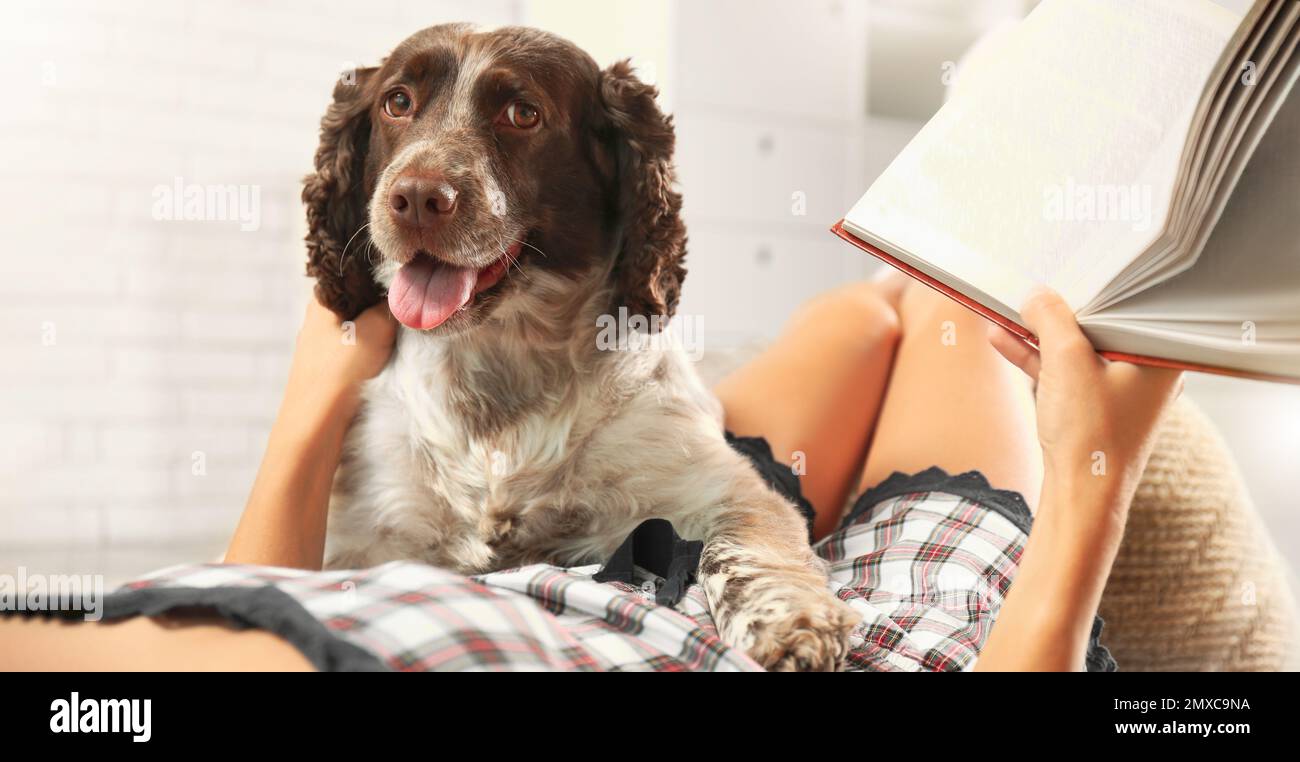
[
  {"x": 522, "y": 116},
  {"x": 398, "y": 104}
]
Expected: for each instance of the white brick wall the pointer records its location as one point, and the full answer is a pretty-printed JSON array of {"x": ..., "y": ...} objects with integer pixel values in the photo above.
[{"x": 128, "y": 343}]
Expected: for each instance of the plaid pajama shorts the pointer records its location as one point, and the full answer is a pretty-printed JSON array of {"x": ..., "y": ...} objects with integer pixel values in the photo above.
[{"x": 926, "y": 560}]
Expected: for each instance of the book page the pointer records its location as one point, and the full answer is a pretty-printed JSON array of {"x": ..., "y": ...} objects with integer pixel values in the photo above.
[
  {"x": 1247, "y": 278},
  {"x": 1056, "y": 160},
  {"x": 1227, "y": 145}
]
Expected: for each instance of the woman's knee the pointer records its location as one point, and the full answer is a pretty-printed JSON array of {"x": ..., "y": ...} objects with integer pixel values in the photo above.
[
  {"x": 858, "y": 315},
  {"x": 927, "y": 315}
]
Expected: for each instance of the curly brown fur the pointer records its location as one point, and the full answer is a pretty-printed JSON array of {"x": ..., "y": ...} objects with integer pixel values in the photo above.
[
  {"x": 338, "y": 248},
  {"x": 650, "y": 271}
]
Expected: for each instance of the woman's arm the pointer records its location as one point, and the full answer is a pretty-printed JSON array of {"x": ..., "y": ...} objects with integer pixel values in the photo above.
[
  {"x": 1096, "y": 421},
  {"x": 284, "y": 520}
]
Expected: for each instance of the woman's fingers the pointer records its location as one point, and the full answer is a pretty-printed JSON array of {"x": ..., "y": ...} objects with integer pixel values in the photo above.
[
  {"x": 1060, "y": 339},
  {"x": 1016, "y": 350},
  {"x": 382, "y": 320},
  {"x": 1061, "y": 343},
  {"x": 1050, "y": 318}
]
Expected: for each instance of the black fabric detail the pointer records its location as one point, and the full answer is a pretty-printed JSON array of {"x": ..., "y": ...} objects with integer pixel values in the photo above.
[
  {"x": 778, "y": 476},
  {"x": 657, "y": 548},
  {"x": 973, "y": 486},
  {"x": 1098, "y": 658},
  {"x": 267, "y": 608}
]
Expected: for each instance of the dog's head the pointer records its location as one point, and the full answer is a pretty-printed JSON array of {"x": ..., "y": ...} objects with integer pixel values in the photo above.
[{"x": 469, "y": 159}]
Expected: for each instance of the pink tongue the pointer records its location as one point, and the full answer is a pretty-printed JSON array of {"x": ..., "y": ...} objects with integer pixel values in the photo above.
[{"x": 425, "y": 293}]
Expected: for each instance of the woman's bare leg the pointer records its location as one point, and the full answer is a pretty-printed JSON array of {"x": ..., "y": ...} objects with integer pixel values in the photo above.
[
  {"x": 954, "y": 402},
  {"x": 816, "y": 392},
  {"x": 190, "y": 643}
]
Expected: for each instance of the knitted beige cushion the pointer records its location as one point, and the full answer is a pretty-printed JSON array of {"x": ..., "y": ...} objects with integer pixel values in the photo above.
[{"x": 1198, "y": 584}]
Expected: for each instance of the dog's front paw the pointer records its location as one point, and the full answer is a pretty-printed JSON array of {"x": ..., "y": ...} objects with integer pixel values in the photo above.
[{"x": 800, "y": 631}]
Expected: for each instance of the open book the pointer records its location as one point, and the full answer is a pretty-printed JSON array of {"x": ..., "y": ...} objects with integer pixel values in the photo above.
[{"x": 1141, "y": 157}]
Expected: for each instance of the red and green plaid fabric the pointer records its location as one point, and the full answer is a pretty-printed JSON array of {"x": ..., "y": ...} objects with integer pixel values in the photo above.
[{"x": 927, "y": 571}]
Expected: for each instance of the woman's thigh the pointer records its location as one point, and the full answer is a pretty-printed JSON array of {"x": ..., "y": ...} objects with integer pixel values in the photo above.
[
  {"x": 954, "y": 402},
  {"x": 815, "y": 392},
  {"x": 167, "y": 643}
]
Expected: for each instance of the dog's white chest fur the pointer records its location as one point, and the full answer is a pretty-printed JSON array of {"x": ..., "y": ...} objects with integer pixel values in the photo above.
[{"x": 498, "y": 453}]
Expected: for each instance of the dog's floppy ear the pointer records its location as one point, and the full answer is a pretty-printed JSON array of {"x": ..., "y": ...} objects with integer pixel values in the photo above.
[
  {"x": 648, "y": 275},
  {"x": 337, "y": 248}
]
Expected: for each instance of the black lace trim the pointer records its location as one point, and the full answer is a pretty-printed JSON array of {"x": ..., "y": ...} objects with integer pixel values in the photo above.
[{"x": 971, "y": 485}]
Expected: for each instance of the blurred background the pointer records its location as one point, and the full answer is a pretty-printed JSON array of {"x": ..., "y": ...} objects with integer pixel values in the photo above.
[{"x": 144, "y": 356}]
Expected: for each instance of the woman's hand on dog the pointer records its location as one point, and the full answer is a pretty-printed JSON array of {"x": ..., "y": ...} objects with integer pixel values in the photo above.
[{"x": 343, "y": 354}]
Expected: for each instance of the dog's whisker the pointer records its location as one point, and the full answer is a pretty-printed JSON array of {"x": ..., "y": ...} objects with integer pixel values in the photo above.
[
  {"x": 344, "y": 256},
  {"x": 529, "y": 245},
  {"x": 512, "y": 261}
]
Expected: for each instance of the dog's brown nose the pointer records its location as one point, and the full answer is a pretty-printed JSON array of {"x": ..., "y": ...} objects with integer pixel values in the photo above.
[{"x": 422, "y": 201}]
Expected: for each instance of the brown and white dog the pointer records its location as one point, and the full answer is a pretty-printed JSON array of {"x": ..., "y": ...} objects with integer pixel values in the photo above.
[{"x": 507, "y": 193}]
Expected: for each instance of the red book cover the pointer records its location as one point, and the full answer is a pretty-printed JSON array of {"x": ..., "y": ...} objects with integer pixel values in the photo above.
[{"x": 1021, "y": 331}]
